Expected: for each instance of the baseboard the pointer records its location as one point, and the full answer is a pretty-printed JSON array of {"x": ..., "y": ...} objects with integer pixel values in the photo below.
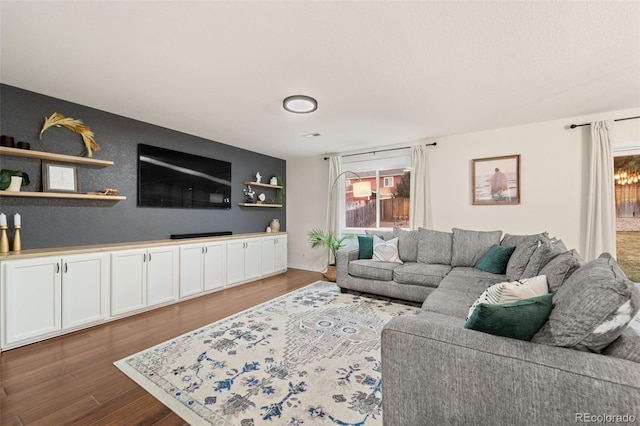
[{"x": 307, "y": 268}]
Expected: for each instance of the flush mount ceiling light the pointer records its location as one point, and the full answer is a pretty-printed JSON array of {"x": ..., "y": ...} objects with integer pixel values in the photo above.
[{"x": 300, "y": 104}]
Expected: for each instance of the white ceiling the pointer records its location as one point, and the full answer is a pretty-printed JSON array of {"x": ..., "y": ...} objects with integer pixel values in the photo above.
[{"x": 384, "y": 73}]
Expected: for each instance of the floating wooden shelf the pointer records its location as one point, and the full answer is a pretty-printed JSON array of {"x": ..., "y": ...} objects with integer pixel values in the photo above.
[
  {"x": 264, "y": 185},
  {"x": 70, "y": 195},
  {"x": 259, "y": 205},
  {"x": 71, "y": 159}
]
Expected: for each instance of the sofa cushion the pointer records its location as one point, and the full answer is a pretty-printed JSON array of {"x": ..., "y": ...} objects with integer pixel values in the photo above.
[
  {"x": 434, "y": 247},
  {"x": 512, "y": 292},
  {"x": 627, "y": 346},
  {"x": 560, "y": 268},
  {"x": 470, "y": 280},
  {"x": 420, "y": 274},
  {"x": 386, "y": 251},
  {"x": 517, "y": 320},
  {"x": 470, "y": 246},
  {"x": 407, "y": 244},
  {"x": 449, "y": 302},
  {"x": 592, "y": 308},
  {"x": 367, "y": 268},
  {"x": 495, "y": 259},
  {"x": 365, "y": 246},
  {"x": 547, "y": 249},
  {"x": 525, "y": 246}
]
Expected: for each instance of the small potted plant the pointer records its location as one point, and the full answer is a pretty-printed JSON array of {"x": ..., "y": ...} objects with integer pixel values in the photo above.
[
  {"x": 320, "y": 238},
  {"x": 12, "y": 180}
]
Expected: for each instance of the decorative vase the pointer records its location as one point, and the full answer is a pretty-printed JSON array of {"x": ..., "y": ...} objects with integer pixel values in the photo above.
[
  {"x": 273, "y": 181},
  {"x": 275, "y": 225},
  {"x": 16, "y": 183}
]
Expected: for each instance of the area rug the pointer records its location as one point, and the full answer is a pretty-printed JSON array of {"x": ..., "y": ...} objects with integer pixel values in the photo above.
[{"x": 309, "y": 357}]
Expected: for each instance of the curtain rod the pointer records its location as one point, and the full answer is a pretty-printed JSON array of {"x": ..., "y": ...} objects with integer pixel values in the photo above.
[
  {"x": 383, "y": 150},
  {"x": 573, "y": 126}
]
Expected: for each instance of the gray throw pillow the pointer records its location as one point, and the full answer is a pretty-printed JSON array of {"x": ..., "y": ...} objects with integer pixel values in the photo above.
[
  {"x": 407, "y": 244},
  {"x": 560, "y": 268},
  {"x": 592, "y": 308},
  {"x": 525, "y": 246},
  {"x": 546, "y": 251},
  {"x": 434, "y": 247},
  {"x": 470, "y": 246}
]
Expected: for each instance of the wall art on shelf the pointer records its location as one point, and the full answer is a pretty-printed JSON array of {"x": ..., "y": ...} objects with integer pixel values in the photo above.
[
  {"x": 58, "y": 177},
  {"x": 496, "y": 180}
]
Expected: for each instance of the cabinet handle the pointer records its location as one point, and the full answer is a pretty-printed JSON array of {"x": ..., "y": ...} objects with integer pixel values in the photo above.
[
  {"x": 149, "y": 257},
  {"x": 206, "y": 249},
  {"x": 65, "y": 267},
  {"x": 57, "y": 267},
  {"x": 144, "y": 257}
]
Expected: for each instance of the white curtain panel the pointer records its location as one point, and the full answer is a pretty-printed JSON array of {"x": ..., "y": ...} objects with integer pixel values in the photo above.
[
  {"x": 420, "y": 204},
  {"x": 333, "y": 202},
  {"x": 601, "y": 209}
]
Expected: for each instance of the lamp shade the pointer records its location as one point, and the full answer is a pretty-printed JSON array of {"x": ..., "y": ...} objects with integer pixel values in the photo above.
[{"x": 362, "y": 189}]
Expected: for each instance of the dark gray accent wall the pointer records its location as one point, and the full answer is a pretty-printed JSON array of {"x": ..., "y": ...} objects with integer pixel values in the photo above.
[{"x": 64, "y": 223}]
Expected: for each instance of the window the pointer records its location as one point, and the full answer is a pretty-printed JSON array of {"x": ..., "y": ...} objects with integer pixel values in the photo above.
[
  {"x": 388, "y": 205},
  {"x": 626, "y": 166}
]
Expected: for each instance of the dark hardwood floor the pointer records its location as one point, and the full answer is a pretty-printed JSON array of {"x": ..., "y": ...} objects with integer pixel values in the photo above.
[{"x": 71, "y": 379}]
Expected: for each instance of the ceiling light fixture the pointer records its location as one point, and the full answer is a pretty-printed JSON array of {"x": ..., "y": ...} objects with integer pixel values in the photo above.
[
  {"x": 300, "y": 104},
  {"x": 312, "y": 135}
]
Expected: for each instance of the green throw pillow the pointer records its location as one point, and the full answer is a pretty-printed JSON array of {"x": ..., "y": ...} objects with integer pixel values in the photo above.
[
  {"x": 365, "y": 246},
  {"x": 495, "y": 259},
  {"x": 517, "y": 320}
]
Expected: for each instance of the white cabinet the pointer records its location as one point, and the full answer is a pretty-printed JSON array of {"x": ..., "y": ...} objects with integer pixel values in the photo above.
[
  {"x": 243, "y": 260},
  {"x": 274, "y": 254},
  {"x": 44, "y": 296},
  {"x": 141, "y": 278},
  {"x": 163, "y": 268},
  {"x": 128, "y": 281},
  {"x": 85, "y": 289},
  {"x": 31, "y": 296},
  {"x": 202, "y": 267}
]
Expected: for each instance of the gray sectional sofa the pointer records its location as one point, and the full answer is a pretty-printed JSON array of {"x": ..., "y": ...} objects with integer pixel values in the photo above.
[{"x": 581, "y": 366}]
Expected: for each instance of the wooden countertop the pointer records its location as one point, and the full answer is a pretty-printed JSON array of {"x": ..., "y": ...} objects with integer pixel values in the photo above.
[{"x": 65, "y": 251}]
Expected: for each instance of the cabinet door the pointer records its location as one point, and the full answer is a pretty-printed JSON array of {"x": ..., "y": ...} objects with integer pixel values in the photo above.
[
  {"x": 215, "y": 261},
  {"x": 252, "y": 260},
  {"x": 281, "y": 253},
  {"x": 268, "y": 255},
  {"x": 191, "y": 269},
  {"x": 235, "y": 261},
  {"x": 162, "y": 275},
  {"x": 31, "y": 291},
  {"x": 128, "y": 281},
  {"x": 85, "y": 289}
]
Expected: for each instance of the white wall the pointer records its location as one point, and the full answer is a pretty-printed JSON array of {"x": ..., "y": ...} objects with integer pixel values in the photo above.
[
  {"x": 306, "y": 209},
  {"x": 553, "y": 183}
]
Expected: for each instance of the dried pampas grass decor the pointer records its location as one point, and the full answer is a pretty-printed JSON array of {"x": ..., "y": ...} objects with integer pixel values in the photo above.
[{"x": 76, "y": 126}]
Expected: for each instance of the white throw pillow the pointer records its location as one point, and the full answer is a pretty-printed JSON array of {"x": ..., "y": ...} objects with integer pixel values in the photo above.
[
  {"x": 512, "y": 292},
  {"x": 386, "y": 251}
]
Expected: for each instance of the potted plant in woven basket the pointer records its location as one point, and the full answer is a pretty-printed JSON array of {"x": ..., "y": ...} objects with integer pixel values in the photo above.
[{"x": 321, "y": 238}]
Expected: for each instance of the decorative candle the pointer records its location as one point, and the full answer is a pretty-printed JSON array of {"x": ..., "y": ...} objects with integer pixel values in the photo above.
[
  {"x": 3, "y": 219},
  {"x": 16, "y": 220}
]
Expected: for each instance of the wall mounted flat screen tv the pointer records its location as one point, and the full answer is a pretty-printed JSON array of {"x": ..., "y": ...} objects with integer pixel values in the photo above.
[{"x": 168, "y": 178}]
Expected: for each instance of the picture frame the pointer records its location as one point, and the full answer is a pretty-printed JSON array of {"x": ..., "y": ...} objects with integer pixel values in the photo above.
[
  {"x": 60, "y": 177},
  {"x": 496, "y": 180}
]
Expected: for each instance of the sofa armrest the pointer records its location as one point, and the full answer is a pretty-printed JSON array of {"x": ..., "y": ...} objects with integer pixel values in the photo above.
[
  {"x": 345, "y": 255},
  {"x": 436, "y": 372}
]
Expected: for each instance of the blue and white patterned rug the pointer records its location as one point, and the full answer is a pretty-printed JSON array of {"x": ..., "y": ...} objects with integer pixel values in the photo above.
[{"x": 309, "y": 357}]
